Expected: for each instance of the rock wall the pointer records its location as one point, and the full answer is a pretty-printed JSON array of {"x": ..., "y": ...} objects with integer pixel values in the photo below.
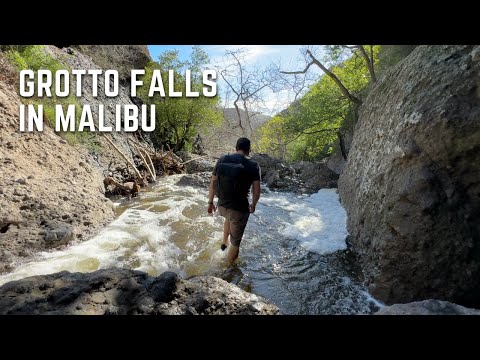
[
  {"x": 50, "y": 192},
  {"x": 128, "y": 292},
  {"x": 108, "y": 158},
  {"x": 411, "y": 185},
  {"x": 123, "y": 58}
]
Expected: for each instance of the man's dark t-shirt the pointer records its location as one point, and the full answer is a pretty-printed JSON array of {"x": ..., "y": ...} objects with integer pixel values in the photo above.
[{"x": 240, "y": 198}]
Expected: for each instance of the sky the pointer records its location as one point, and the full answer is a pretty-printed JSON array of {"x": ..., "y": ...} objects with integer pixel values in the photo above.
[{"x": 289, "y": 56}]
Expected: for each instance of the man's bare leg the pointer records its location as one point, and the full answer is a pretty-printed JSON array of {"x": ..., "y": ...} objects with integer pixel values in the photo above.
[
  {"x": 232, "y": 254},
  {"x": 226, "y": 231}
]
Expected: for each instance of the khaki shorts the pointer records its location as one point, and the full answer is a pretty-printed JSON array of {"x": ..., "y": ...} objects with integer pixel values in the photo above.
[{"x": 238, "y": 221}]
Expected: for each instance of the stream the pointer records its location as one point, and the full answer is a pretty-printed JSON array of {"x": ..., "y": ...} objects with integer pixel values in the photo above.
[{"x": 293, "y": 253}]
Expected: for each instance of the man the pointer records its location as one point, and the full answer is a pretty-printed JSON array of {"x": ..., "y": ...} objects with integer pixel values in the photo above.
[{"x": 231, "y": 180}]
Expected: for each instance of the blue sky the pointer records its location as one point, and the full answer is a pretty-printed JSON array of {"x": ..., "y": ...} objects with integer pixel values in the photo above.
[
  {"x": 258, "y": 54},
  {"x": 288, "y": 56}
]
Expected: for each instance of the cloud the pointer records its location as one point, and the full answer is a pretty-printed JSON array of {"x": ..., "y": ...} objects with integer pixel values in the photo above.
[{"x": 252, "y": 52}]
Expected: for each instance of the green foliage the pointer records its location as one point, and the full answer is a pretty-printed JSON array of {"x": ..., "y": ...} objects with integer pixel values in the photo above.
[
  {"x": 34, "y": 57},
  {"x": 390, "y": 55},
  {"x": 178, "y": 120},
  {"x": 307, "y": 130},
  {"x": 7, "y": 48}
]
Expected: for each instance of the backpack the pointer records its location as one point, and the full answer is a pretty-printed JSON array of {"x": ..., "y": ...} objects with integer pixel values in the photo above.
[{"x": 232, "y": 176}]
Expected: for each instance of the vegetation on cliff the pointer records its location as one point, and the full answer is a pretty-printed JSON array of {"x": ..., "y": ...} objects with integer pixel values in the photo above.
[
  {"x": 309, "y": 128},
  {"x": 34, "y": 57},
  {"x": 312, "y": 127}
]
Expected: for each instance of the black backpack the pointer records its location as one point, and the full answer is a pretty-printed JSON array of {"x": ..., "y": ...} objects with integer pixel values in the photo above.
[{"x": 232, "y": 178}]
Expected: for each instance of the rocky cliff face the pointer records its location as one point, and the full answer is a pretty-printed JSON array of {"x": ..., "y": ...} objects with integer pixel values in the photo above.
[
  {"x": 51, "y": 192},
  {"x": 123, "y": 58},
  {"x": 128, "y": 292},
  {"x": 411, "y": 185}
]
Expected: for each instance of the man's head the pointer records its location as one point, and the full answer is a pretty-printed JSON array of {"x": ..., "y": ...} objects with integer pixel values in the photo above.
[{"x": 243, "y": 145}]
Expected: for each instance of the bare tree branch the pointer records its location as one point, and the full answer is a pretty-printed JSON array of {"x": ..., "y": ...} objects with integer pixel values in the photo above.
[
  {"x": 301, "y": 71},
  {"x": 247, "y": 84}
]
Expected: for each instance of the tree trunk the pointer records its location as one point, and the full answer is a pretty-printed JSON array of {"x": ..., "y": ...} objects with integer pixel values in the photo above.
[
  {"x": 369, "y": 62},
  {"x": 341, "y": 141},
  {"x": 337, "y": 81}
]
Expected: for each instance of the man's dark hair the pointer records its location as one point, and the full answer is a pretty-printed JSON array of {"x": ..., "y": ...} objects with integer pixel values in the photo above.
[{"x": 243, "y": 144}]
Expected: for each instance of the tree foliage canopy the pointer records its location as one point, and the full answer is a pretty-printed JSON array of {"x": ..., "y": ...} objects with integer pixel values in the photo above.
[
  {"x": 179, "y": 119},
  {"x": 307, "y": 129}
]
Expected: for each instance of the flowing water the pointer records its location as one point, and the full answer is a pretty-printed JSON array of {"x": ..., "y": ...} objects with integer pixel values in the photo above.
[{"x": 293, "y": 252}]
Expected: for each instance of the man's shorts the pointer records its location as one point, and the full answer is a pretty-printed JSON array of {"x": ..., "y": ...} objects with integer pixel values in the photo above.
[{"x": 238, "y": 221}]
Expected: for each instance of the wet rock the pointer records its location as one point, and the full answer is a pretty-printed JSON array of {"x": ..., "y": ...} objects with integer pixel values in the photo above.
[
  {"x": 124, "y": 291},
  {"x": 201, "y": 165},
  {"x": 272, "y": 178},
  {"x": 411, "y": 184},
  {"x": 59, "y": 235},
  {"x": 427, "y": 307},
  {"x": 163, "y": 287},
  {"x": 201, "y": 180}
]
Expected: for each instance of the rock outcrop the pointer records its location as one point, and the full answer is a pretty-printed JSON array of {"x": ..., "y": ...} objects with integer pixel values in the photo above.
[
  {"x": 201, "y": 180},
  {"x": 122, "y": 58},
  {"x": 50, "y": 192},
  {"x": 303, "y": 177},
  {"x": 411, "y": 185},
  {"x": 128, "y": 292},
  {"x": 200, "y": 165},
  {"x": 427, "y": 307}
]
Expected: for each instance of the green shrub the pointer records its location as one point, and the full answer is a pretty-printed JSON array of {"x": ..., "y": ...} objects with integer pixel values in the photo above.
[{"x": 34, "y": 57}]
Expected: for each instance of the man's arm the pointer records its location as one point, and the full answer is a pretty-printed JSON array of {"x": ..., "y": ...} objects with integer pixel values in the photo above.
[
  {"x": 255, "y": 195},
  {"x": 211, "y": 195}
]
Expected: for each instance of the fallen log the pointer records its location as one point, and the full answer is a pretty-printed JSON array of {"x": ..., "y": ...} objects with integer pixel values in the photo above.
[{"x": 130, "y": 188}]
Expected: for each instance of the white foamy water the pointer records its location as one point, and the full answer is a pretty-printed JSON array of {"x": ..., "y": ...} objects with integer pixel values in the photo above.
[
  {"x": 321, "y": 226},
  {"x": 168, "y": 228}
]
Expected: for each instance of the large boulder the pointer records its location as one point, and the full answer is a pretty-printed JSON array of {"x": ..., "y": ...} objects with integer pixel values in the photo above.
[
  {"x": 201, "y": 180},
  {"x": 200, "y": 165},
  {"x": 336, "y": 162},
  {"x": 411, "y": 185},
  {"x": 266, "y": 163},
  {"x": 124, "y": 291},
  {"x": 317, "y": 175},
  {"x": 427, "y": 307}
]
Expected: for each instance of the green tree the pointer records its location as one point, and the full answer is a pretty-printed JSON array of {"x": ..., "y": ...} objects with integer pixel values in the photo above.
[
  {"x": 179, "y": 119},
  {"x": 310, "y": 127}
]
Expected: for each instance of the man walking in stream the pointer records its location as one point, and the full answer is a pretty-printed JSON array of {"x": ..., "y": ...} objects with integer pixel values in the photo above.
[{"x": 231, "y": 180}]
